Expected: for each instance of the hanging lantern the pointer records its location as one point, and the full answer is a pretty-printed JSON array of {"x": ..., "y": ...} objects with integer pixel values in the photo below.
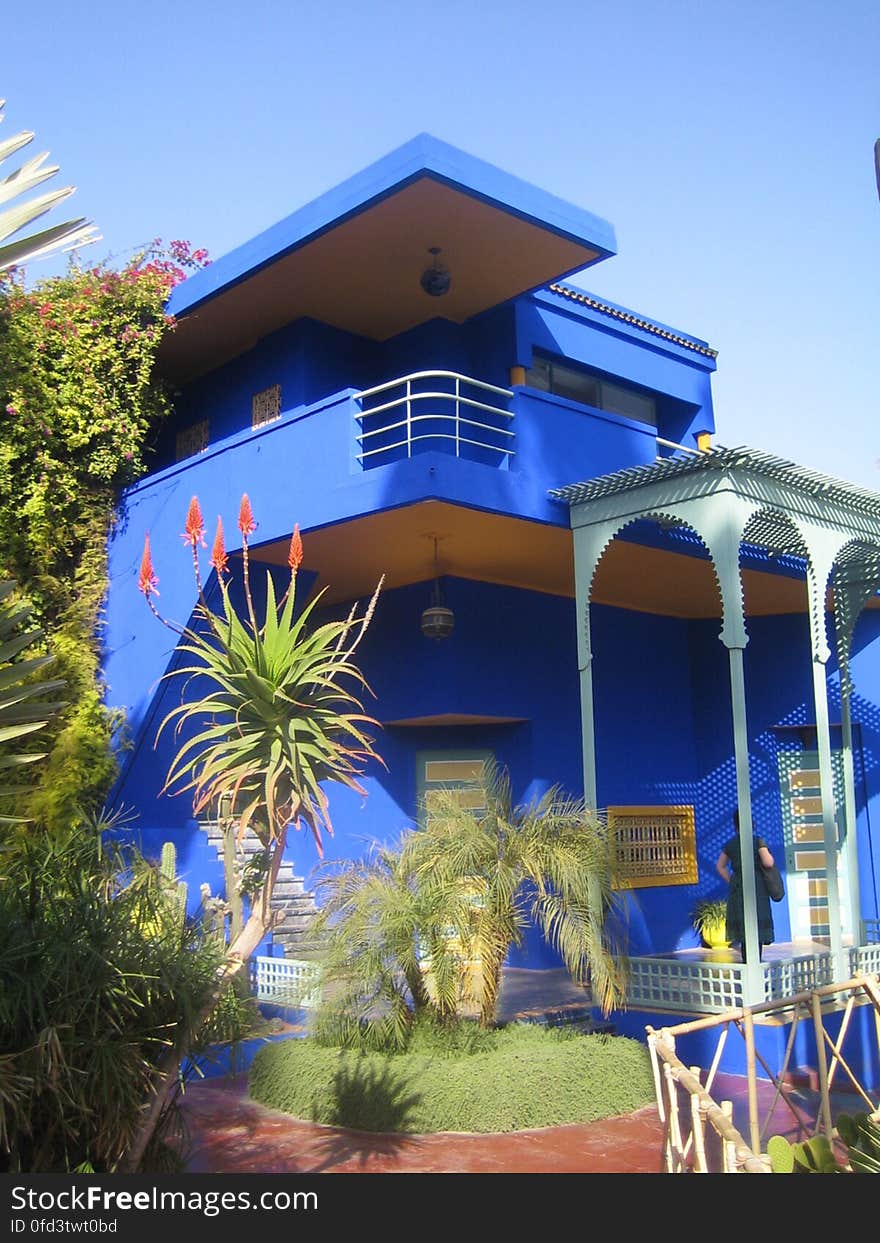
[
  {"x": 435, "y": 279},
  {"x": 438, "y": 621}
]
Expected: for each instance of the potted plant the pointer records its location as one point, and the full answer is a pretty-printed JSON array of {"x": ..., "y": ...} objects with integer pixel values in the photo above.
[{"x": 710, "y": 922}]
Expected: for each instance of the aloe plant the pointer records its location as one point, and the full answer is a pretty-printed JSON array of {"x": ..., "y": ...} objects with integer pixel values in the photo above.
[{"x": 281, "y": 716}]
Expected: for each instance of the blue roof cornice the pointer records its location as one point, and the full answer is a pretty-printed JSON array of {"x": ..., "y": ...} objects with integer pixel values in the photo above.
[{"x": 422, "y": 156}]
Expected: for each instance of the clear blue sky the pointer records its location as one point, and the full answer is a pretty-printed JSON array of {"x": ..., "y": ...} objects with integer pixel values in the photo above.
[{"x": 729, "y": 143}]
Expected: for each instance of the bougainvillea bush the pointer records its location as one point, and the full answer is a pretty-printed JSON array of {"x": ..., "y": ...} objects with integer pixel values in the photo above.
[{"x": 80, "y": 407}]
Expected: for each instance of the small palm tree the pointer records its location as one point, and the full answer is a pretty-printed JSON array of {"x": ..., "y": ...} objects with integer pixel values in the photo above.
[
  {"x": 388, "y": 948},
  {"x": 545, "y": 863},
  {"x": 32, "y": 173}
]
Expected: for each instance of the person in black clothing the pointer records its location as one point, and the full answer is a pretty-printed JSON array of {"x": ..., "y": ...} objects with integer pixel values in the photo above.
[{"x": 729, "y": 867}]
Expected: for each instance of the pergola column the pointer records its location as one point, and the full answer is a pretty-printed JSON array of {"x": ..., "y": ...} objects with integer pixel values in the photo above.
[
  {"x": 720, "y": 520},
  {"x": 854, "y": 584},
  {"x": 821, "y": 559},
  {"x": 589, "y": 544},
  {"x": 849, "y": 801}
]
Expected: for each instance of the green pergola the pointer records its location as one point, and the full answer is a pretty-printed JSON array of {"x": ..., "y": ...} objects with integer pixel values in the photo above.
[{"x": 730, "y": 498}]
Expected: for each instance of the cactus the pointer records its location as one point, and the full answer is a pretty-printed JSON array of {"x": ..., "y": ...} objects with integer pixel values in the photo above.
[
  {"x": 174, "y": 890},
  {"x": 214, "y": 911},
  {"x": 859, "y": 1132},
  {"x": 809, "y": 1156}
]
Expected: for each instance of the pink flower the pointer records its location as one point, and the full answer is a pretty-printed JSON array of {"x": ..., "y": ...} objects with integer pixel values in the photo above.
[
  {"x": 295, "y": 555},
  {"x": 148, "y": 583},
  {"x": 246, "y": 523},
  {"x": 218, "y": 552},
  {"x": 194, "y": 532}
]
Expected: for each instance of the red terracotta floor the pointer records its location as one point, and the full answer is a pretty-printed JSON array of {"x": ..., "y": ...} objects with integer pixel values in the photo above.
[{"x": 231, "y": 1134}]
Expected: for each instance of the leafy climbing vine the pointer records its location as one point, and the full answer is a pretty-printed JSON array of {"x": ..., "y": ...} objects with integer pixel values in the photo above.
[{"x": 81, "y": 403}]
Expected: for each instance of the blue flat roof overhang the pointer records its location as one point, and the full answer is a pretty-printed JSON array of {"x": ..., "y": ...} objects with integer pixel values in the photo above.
[{"x": 354, "y": 256}]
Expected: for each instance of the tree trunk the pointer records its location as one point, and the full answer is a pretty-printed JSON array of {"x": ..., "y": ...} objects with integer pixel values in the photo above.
[
  {"x": 259, "y": 922},
  {"x": 491, "y": 989}
]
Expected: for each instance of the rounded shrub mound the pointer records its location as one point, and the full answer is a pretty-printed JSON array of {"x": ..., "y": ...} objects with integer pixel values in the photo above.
[{"x": 515, "y": 1078}]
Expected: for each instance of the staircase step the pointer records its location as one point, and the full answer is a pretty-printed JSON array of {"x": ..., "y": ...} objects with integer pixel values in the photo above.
[{"x": 290, "y": 899}]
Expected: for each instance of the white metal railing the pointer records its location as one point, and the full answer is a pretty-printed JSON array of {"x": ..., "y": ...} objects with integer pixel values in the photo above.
[
  {"x": 418, "y": 414},
  {"x": 285, "y": 982},
  {"x": 709, "y": 987},
  {"x": 865, "y": 958}
]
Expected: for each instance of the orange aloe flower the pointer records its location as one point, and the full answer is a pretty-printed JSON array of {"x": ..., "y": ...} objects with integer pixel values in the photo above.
[
  {"x": 246, "y": 523},
  {"x": 219, "y": 560},
  {"x": 195, "y": 525},
  {"x": 295, "y": 555},
  {"x": 148, "y": 583}
]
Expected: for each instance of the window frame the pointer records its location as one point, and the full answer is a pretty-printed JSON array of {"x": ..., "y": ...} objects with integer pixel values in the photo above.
[
  {"x": 446, "y": 755},
  {"x": 603, "y": 384}
]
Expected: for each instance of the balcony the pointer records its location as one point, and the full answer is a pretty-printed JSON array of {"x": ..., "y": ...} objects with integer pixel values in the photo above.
[{"x": 434, "y": 411}]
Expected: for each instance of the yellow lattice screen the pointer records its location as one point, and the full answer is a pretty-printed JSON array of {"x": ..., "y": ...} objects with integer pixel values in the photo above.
[{"x": 653, "y": 846}]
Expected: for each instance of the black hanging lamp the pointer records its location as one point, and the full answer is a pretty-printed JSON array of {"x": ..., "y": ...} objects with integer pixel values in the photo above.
[
  {"x": 438, "y": 622},
  {"x": 435, "y": 279}
]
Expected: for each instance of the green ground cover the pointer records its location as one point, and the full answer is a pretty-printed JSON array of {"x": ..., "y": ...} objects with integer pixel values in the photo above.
[{"x": 514, "y": 1078}]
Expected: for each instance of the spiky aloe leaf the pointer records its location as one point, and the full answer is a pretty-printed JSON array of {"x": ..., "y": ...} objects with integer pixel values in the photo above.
[
  {"x": 279, "y": 715},
  {"x": 24, "y": 708}
]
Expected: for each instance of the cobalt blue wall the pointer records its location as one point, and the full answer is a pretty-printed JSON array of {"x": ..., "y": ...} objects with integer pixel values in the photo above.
[
  {"x": 312, "y": 361},
  {"x": 308, "y": 359},
  {"x": 681, "y": 377},
  {"x": 512, "y": 654}
]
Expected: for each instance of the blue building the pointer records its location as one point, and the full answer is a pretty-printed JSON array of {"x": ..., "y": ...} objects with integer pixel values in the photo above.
[{"x": 403, "y": 369}]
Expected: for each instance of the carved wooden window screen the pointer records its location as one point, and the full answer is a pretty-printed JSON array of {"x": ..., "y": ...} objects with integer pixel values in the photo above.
[
  {"x": 653, "y": 846},
  {"x": 266, "y": 406},
  {"x": 192, "y": 440}
]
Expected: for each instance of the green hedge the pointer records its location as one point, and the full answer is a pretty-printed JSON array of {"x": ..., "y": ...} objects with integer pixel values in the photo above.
[{"x": 518, "y": 1078}]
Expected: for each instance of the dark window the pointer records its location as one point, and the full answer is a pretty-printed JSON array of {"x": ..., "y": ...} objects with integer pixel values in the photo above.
[{"x": 590, "y": 389}]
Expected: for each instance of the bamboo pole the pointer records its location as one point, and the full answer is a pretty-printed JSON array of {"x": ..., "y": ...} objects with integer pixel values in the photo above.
[
  {"x": 716, "y": 1060},
  {"x": 674, "y": 1162},
  {"x": 778, "y": 1081},
  {"x": 697, "y": 1122},
  {"x": 819, "y": 1033},
  {"x": 838, "y": 1057},
  {"x": 751, "y": 1075},
  {"x": 753, "y": 1163},
  {"x": 797, "y": 999},
  {"x": 728, "y": 1148},
  {"x": 869, "y": 983},
  {"x": 837, "y": 1045},
  {"x": 655, "y": 1071}
]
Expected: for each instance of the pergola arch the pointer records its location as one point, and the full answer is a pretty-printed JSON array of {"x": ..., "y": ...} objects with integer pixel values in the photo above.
[{"x": 724, "y": 495}]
